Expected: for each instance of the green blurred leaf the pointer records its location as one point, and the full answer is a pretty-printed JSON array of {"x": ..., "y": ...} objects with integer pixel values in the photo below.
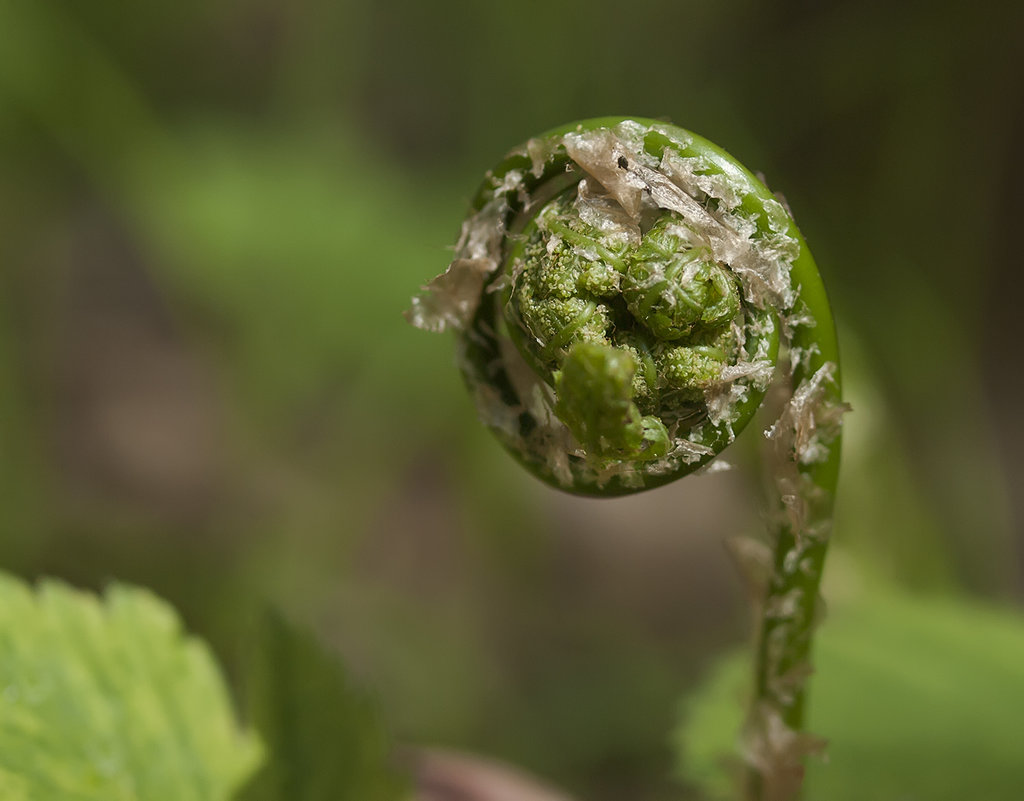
[
  {"x": 919, "y": 698},
  {"x": 325, "y": 737},
  {"x": 106, "y": 699}
]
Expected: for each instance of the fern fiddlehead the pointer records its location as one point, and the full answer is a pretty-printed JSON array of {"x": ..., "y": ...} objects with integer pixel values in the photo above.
[{"x": 624, "y": 293}]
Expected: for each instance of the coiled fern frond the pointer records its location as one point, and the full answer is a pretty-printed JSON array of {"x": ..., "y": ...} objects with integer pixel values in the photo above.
[{"x": 624, "y": 294}]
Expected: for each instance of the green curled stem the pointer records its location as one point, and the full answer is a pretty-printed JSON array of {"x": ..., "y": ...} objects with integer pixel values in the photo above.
[{"x": 624, "y": 294}]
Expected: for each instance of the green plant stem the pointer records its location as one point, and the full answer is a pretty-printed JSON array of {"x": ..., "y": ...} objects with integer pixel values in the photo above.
[{"x": 800, "y": 528}]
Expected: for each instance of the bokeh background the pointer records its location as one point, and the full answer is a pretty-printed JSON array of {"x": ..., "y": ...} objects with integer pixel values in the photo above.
[{"x": 212, "y": 215}]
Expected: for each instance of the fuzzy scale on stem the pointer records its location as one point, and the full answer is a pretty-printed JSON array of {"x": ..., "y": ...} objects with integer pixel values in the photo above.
[{"x": 624, "y": 293}]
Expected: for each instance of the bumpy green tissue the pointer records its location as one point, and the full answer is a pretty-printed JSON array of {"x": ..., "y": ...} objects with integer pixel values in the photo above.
[{"x": 107, "y": 699}]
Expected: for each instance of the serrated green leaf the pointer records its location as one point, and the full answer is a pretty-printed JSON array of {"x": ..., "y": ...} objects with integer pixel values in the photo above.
[
  {"x": 919, "y": 699},
  {"x": 325, "y": 738},
  {"x": 107, "y": 699}
]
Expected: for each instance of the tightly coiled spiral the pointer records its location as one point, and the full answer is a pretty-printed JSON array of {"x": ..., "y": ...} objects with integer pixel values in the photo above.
[{"x": 621, "y": 290}]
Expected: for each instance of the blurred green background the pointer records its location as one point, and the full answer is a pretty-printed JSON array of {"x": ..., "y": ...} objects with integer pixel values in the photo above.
[{"x": 212, "y": 215}]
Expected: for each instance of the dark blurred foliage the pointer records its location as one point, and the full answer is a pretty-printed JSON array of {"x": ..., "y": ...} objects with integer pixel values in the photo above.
[{"x": 212, "y": 215}]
